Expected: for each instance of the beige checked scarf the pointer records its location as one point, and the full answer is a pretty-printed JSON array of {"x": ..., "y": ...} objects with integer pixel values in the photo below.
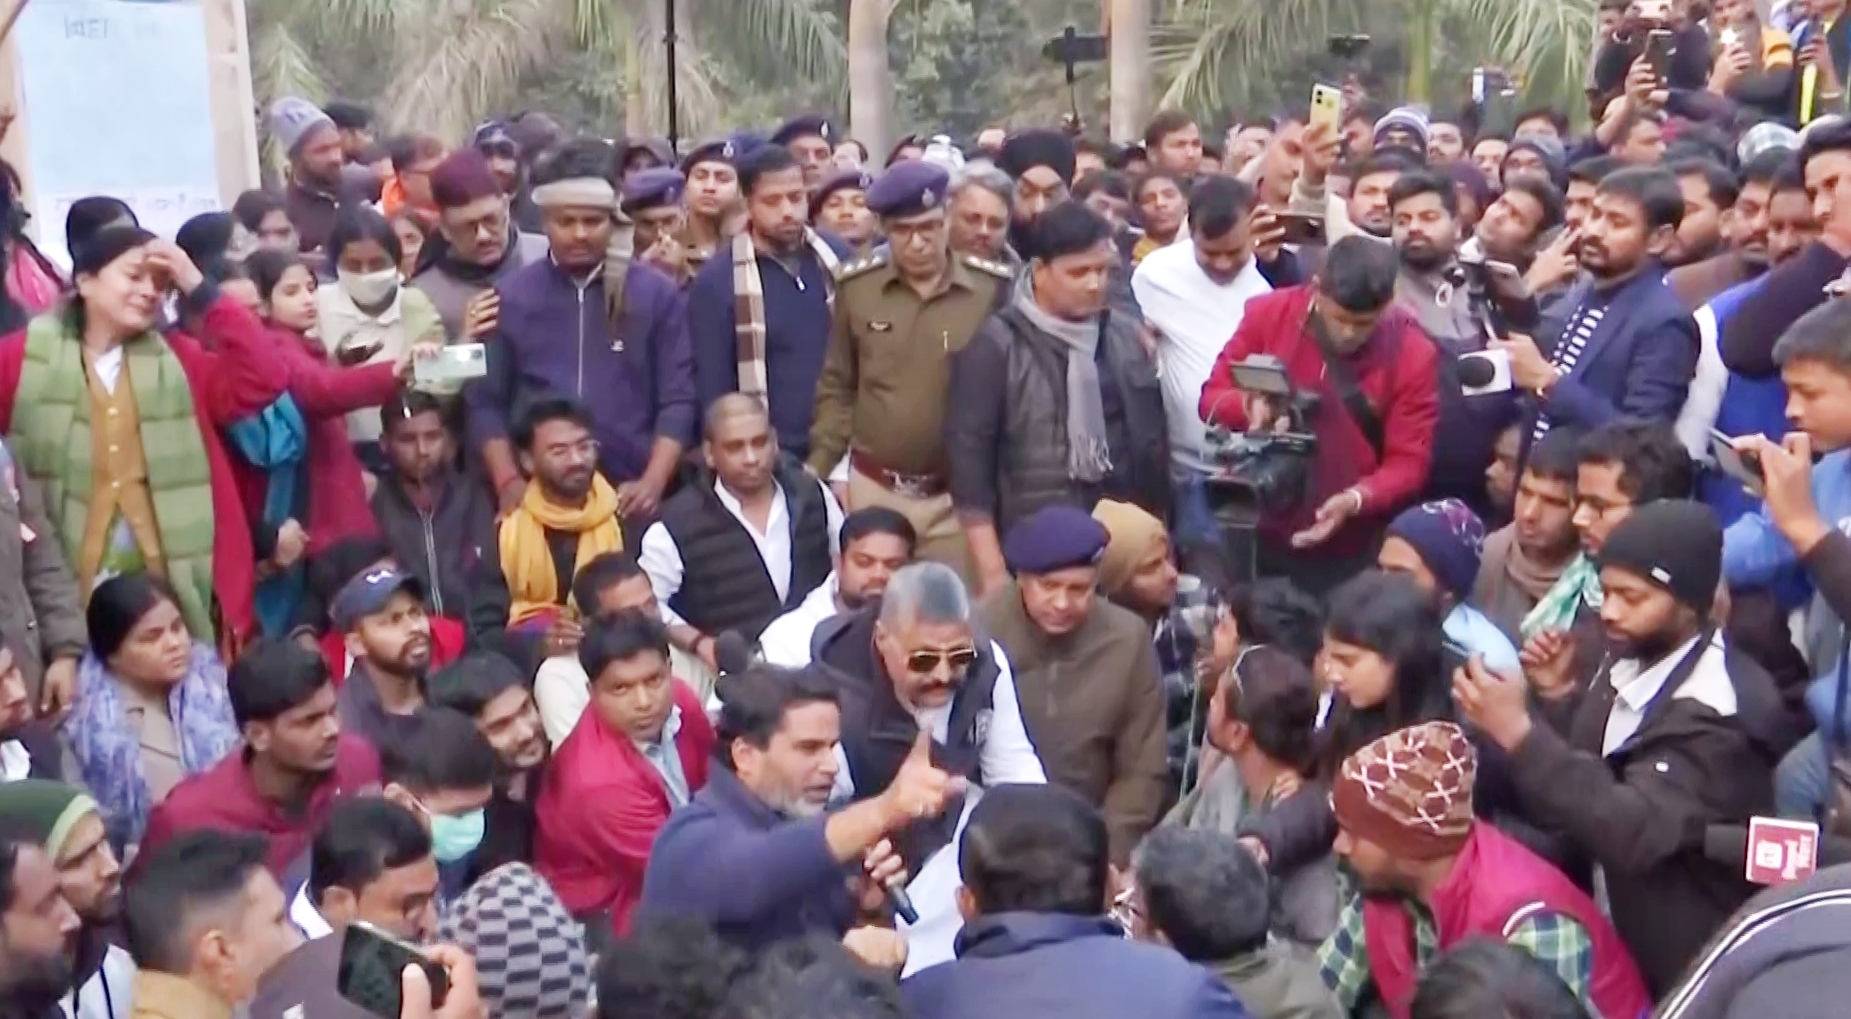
[{"x": 749, "y": 306}]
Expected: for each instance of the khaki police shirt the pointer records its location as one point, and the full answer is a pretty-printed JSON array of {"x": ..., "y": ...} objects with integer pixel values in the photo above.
[{"x": 884, "y": 379}]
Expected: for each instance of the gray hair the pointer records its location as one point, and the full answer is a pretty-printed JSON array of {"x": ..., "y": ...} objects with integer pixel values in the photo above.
[
  {"x": 925, "y": 592},
  {"x": 1204, "y": 891},
  {"x": 981, "y": 173}
]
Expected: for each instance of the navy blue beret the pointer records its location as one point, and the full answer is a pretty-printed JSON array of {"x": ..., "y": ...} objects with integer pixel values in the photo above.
[
  {"x": 803, "y": 127},
  {"x": 718, "y": 150},
  {"x": 652, "y": 188},
  {"x": 910, "y": 187},
  {"x": 841, "y": 180},
  {"x": 1054, "y": 538}
]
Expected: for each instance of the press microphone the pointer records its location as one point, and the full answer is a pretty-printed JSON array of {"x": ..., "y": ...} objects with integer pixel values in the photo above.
[
  {"x": 1727, "y": 844},
  {"x": 732, "y": 653},
  {"x": 902, "y": 904},
  {"x": 1486, "y": 371}
]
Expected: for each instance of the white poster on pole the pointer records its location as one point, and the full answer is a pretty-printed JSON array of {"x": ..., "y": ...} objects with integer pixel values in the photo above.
[{"x": 118, "y": 102}]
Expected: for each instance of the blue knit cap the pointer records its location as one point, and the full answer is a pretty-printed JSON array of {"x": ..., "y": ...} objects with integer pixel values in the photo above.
[{"x": 1450, "y": 539}]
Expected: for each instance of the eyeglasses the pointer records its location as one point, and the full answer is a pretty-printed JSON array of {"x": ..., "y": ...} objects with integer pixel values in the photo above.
[{"x": 924, "y": 663}]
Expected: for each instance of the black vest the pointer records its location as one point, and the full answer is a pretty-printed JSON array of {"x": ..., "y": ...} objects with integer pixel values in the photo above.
[
  {"x": 878, "y": 733},
  {"x": 724, "y": 585}
]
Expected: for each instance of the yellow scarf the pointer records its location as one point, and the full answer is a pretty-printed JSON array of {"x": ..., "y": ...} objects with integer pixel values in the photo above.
[{"x": 527, "y": 562}]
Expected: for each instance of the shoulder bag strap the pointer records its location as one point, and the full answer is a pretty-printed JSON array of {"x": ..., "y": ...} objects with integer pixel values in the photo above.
[{"x": 1348, "y": 390}]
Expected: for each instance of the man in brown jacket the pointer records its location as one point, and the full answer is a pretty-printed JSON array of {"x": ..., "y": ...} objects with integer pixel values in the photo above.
[
  {"x": 1086, "y": 675},
  {"x": 41, "y": 613}
]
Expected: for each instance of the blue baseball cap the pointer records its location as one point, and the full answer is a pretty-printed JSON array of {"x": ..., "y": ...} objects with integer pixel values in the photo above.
[{"x": 369, "y": 592}]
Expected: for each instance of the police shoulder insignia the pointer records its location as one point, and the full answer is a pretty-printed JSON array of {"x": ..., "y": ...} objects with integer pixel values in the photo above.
[
  {"x": 997, "y": 269},
  {"x": 860, "y": 267}
]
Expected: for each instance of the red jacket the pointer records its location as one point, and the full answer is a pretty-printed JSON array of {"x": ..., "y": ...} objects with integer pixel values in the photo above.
[
  {"x": 601, "y": 806},
  {"x": 236, "y": 378},
  {"x": 1493, "y": 885},
  {"x": 224, "y": 797},
  {"x": 1397, "y": 370},
  {"x": 325, "y": 394}
]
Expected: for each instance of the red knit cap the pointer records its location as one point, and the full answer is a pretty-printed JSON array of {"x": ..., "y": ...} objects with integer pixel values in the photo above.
[
  {"x": 1409, "y": 792},
  {"x": 461, "y": 178}
]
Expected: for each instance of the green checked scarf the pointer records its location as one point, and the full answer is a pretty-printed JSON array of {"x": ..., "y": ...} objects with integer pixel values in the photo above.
[
  {"x": 51, "y": 439},
  {"x": 1556, "y": 610}
]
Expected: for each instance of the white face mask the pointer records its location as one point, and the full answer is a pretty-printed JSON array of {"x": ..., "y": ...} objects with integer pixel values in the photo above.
[{"x": 369, "y": 288}]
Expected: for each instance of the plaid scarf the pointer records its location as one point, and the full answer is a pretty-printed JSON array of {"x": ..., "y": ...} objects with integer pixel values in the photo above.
[
  {"x": 1556, "y": 610},
  {"x": 749, "y": 306}
]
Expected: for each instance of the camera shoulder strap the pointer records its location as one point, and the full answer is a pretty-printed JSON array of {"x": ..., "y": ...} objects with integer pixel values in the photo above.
[{"x": 1348, "y": 390}]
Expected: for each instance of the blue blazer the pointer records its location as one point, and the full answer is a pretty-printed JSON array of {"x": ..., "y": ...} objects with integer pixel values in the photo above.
[{"x": 1638, "y": 363}]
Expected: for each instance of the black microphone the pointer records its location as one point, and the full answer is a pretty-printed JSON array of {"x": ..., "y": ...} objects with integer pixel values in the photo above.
[
  {"x": 732, "y": 653},
  {"x": 902, "y": 904},
  {"x": 1476, "y": 372}
]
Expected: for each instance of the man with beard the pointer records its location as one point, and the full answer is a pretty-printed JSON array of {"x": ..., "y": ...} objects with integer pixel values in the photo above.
[
  {"x": 608, "y": 586},
  {"x": 1675, "y": 734},
  {"x": 1523, "y": 560},
  {"x": 439, "y": 521},
  {"x": 641, "y": 751},
  {"x": 381, "y": 613},
  {"x": 65, "y": 820},
  {"x": 475, "y": 244},
  {"x": 1041, "y": 162},
  {"x": 1710, "y": 192},
  {"x": 1626, "y": 347},
  {"x": 810, "y": 142},
  {"x": 493, "y": 691},
  {"x": 914, "y": 663},
  {"x": 1429, "y": 874},
  {"x": 36, "y": 927},
  {"x": 745, "y": 540},
  {"x": 1528, "y": 209},
  {"x": 315, "y": 189},
  {"x": 758, "y": 853},
  {"x": 759, "y": 320},
  {"x": 567, "y": 515},
  {"x": 876, "y": 543},
  {"x": 294, "y": 765}
]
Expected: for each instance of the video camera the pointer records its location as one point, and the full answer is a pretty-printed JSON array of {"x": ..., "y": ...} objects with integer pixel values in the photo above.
[{"x": 1263, "y": 469}]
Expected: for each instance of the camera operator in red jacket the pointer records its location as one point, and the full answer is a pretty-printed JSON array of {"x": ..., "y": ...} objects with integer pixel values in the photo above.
[{"x": 1374, "y": 435}]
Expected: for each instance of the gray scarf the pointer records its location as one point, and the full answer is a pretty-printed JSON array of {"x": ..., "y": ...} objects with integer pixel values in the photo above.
[{"x": 1089, "y": 458}]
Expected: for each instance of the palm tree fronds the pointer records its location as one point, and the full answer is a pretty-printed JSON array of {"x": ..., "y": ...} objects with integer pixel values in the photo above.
[
  {"x": 472, "y": 70},
  {"x": 769, "y": 39}
]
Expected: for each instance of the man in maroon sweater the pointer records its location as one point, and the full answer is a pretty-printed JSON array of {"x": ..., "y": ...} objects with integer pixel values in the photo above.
[
  {"x": 292, "y": 768},
  {"x": 1370, "y": 462}
]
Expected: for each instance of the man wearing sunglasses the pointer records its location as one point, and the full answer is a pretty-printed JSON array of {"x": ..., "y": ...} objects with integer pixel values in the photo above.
[
  {"x": 914, "y": 661},
  {"x": 1091, "y": 693}
]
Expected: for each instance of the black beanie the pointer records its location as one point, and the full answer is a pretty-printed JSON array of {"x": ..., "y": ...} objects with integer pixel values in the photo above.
[
  {"x": 1674, "y": 543},
  {"x": 1025, "y": 150},
  {"x": 104, "y": 247}
]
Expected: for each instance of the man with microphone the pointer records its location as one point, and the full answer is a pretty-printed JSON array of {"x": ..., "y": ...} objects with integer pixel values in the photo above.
[{"x": 757, "y": 853}]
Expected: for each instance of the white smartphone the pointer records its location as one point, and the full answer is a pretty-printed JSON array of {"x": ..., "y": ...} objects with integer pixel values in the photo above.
[{"x": 457, "y": 363}]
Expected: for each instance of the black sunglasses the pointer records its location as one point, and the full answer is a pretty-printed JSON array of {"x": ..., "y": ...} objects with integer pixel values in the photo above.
[{"x": 923, "y": 663}]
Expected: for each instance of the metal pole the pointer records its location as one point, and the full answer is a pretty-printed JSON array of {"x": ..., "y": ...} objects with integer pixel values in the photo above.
[{"x": 668, "y": 44}]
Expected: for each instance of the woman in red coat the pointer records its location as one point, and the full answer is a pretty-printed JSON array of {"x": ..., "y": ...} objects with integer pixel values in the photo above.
[
  {"x": 641, "y": 750},
  {"x": 61, "y": 377}
]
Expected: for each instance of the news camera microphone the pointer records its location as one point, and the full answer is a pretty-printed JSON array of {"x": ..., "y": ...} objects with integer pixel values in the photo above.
[
  {"x": 1485, "y": 371},
  {"x": 732, "y": 653}
]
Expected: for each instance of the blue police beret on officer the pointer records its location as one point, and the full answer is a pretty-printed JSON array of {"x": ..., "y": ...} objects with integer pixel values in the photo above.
[
  {"x": 803, "y": 127},
  {"x": 908, "y": 188},
  {"x": 841, "y": 180},
  {"x": 718, "y": 150},
  {"x": 1054, "y": 538},
  {"x": 652, "y": 188}
]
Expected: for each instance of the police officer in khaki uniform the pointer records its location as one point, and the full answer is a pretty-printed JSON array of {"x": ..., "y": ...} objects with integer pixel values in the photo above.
[{"x": 899, "y": 316}]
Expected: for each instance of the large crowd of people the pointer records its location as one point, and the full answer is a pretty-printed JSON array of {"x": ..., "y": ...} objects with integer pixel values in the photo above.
[{"x": 1370, "y": 563}]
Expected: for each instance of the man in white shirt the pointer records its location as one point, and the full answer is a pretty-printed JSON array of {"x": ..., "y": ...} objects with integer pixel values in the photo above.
[
  {"x": 876, "y": 541},
  {"x": 610, "y": 584},
  {"x": 916, "y": 661},
  {"x": 1193, "y": 294},
  {"x": 746, "y": 541}
]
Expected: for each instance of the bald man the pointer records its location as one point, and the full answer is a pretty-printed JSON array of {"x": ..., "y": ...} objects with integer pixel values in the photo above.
[{"x": 745, "y": 542}]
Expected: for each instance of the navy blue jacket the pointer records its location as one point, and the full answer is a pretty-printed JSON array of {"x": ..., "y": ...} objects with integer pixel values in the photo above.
[
  {"x": 797, "y": 324},
  {"x": 1638, "y": 363},
  {"x": 553, "y": 339},
  {"x": 730, "y": 860},
  {"x": 1054, "y": 966}
]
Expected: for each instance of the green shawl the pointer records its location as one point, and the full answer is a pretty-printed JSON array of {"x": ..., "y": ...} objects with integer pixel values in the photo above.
[{"x": 52, "y": 442}]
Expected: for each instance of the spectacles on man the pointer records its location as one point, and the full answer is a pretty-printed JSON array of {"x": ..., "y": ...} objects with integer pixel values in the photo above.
[{"x": 924, "y": 663}]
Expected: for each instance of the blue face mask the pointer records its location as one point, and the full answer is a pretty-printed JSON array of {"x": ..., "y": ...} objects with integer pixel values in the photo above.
[{"x": 453, "y": 838}]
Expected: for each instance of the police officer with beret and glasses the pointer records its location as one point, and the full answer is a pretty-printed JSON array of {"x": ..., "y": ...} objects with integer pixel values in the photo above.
[{"x": 899, "y": 316}]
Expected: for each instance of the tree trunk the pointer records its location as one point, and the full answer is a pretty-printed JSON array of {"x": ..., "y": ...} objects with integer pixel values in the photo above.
[
  {"x": 1130, "y": 68},
  {"x": 1420, "y": 51},
  {"x": 870, "y": 79}
]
